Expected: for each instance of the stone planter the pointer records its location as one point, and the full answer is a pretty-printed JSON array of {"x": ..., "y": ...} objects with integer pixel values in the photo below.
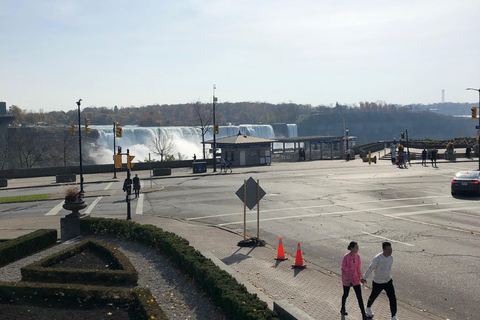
[
  {"x": 162, "y": 171},
  {"x": 3, "y": 182},
  {"x": 66, "y": 178},
  {"x": 451, "y": 156},
  {"x": 70, "y": 224},
  {"x": 75, "y": 207}
]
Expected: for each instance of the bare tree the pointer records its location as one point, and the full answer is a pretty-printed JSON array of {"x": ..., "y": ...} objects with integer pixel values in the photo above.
[
  {"x": 65, "y": 149},
  {"x": 29, "y": 149},
  {"x": 4, "y": 149},
  {"x": 161, "y": 144},
  {"x": 203, "y": 115}
]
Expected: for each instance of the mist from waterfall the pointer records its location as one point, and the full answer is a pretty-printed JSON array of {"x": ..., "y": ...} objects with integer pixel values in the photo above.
[{"x": 187, "y": 140}]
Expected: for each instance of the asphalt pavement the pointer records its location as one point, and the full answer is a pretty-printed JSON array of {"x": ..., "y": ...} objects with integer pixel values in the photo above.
[{"x": 313, "y": 291}]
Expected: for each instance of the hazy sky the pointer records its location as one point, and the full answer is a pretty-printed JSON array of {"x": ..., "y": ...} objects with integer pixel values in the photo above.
[{"x": 311, "y": 52}]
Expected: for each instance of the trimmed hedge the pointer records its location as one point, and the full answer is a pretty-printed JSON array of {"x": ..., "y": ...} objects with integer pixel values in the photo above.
[
  {"x": 20, "y": 247},
  {"x": 147, "y": 306},
  {"x": 40, "y": 271},
  {"x": 232, "y": 297}
]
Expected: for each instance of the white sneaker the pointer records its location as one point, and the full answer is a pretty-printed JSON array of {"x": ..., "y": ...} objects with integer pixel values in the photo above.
[
  {"x": 394, "y": 318},
  {"x": 369, "y": 312}
]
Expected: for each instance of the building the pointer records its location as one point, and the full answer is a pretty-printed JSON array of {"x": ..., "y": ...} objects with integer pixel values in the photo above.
[{"x": 244, "y": 150}]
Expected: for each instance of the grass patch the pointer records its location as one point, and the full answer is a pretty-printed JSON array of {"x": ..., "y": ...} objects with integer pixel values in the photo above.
[{"x": 33, "y": 197}]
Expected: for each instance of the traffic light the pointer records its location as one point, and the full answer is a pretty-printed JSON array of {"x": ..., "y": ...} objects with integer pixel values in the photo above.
[
  {"x": 119, "y": 131},
  {"x": 87, "y": 124},
  {"x": 474, "y": 112},
  {"x": 402, "y": 135},
  {"x": 118, "y": 161},
  {"x": 129, "y": 161},
  {"x": 72, "y": 129},
  {"x": 216, "y": 129}
]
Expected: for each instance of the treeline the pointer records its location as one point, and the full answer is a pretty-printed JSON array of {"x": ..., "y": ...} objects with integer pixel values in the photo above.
[{"x": 227, "y": 112}]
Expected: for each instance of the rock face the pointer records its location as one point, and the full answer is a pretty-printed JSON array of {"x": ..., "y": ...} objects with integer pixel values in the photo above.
[{"x": 382, "y": 126}]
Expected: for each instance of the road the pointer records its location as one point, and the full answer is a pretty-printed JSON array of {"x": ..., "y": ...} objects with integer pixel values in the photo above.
[{"x": 324, "y": 205}]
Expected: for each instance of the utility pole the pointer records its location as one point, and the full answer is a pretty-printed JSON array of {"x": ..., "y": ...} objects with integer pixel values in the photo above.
[
  {"x": 129, "y": 189},
  {"x": 214, "y": 135},
  {"x": 80, "y": 146},
  {"x": 114, "y": 147},
  {"x": 478, "y": 127}
]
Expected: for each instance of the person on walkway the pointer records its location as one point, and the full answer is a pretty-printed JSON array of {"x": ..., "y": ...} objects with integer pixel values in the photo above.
[
  {"x": 223, "y": 165},
  {"x": 194, "y": 157},
  {"x": 136, "y": 185},
  {"x": 434, "y": 157},
  {"x": 405, "y": 159},
  {"x": 351, "y": 275},
  {"x": 229, "y": 166},
  {"x": 382, "y": 280},
  {"x": 424, "y": 157},
  {"x": 467, "y": 152}
]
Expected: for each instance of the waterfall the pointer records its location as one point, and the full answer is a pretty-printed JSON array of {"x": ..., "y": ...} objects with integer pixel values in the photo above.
[
  {"x": 187, "y": 140},
  {"x": 292, "y": 130}
]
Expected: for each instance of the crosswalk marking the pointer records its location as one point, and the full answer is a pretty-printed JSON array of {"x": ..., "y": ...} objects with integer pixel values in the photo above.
[
  {"x": 108, "y": 186},
  {"x": 55, "y": 209},
  {"x": 94, "y": 203},
  {"x": 374, "y": 235},
  {"x": 139, "y": 204}
]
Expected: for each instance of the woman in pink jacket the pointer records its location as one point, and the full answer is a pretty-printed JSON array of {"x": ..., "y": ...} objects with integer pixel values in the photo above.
[{"x": 351, "y": 276}]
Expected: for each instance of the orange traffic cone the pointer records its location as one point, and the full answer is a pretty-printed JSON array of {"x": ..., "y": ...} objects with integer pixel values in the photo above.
[
  {"x": 298, "y": 258},
  {"x": 281, "y": 252}
]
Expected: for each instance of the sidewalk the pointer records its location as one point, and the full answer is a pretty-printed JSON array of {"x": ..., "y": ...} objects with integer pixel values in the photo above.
[{"x": 313, "y": 290}]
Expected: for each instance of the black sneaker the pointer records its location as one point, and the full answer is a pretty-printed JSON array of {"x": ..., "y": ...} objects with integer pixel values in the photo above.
[{"x": 343, "y": 312}]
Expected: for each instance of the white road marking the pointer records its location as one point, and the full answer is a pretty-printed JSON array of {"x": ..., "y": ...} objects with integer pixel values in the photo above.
[
  {"x": 108, "y": 186},
  {"x": 139, "y": 204},
  {"x": 329, "y": 205},
  {"x": 94, "y": 203},
  {"x": 311, "y": 215},
  {"x": 374, "y": 235},
  {"x": 55, "y": 209}
]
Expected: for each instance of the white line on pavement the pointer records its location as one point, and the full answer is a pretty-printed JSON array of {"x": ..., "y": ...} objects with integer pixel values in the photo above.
[
  {"x": 311, "y": 215},
  {"x": 94, "y": 203},
  {"x": 374, "y": 235},
  {"x": 55, "y": 209},
  {"x": 108, "y": 186},
  {"x": 330, "y": 205},
  {"x": 139, "y": 204}
]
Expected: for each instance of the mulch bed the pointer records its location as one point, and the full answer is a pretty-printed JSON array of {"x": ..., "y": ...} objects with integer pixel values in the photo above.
[{"x": 59, "y": 308}]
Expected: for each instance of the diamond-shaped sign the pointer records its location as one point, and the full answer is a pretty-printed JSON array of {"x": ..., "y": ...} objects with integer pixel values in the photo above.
[{"x": 251, "y": 194}]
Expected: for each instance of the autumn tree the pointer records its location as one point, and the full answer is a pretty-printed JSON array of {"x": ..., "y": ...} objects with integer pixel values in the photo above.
[{"x": 28, "y": 149}]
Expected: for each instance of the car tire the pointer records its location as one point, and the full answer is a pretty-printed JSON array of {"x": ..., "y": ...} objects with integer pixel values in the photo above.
[{"x": 454, "y": 193}]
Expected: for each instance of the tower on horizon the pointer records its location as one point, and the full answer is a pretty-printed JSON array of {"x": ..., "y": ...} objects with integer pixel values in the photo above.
[{"x": 443, "y": 95}]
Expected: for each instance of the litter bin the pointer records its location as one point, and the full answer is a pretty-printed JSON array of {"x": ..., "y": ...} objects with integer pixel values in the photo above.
[{"x": 199, "y": 167}]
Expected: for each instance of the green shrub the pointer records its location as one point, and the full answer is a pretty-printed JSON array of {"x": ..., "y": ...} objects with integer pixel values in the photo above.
[
  {"x": 20, "y": 247},
  {"x": 41, "y": 271},
  {"x": 146, "y": 306},
  {"x": 232, "y": 297}
]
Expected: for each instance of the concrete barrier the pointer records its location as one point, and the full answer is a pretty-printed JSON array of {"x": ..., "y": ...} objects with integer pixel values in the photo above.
[
  {"x": 162, "y": 171},
  {"x": 287, "y": 311},
  {"x": 66, "y": 178},
  {"x": 3, "y": 182}
]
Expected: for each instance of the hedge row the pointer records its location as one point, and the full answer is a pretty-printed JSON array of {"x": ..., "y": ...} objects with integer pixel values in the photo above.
[
  {"x": 232, "y": 297},
  {"x": 41, "y": 271},
  {"x": 20, "y": 247},
  {"x": 146, "y": 306}
]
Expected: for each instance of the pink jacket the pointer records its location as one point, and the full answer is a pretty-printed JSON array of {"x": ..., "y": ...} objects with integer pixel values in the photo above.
[{"x": 352, "y": 265}]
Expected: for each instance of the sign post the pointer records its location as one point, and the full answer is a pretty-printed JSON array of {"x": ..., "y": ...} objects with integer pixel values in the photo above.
[{"x": 250, "y": 193}]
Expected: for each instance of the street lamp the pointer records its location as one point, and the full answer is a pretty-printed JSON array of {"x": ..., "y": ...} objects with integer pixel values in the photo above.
[
  {"x": 478, "y": 128},
  {"x": 79, "y": 102},
  {"x": 214, "y": 135}
]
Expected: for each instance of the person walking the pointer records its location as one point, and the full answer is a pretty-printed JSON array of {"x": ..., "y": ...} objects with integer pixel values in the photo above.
[
  {"x": 222, "y": 165},
  {"x": 351, "y": 275},
  {"x": 434, "y": 157},
  {"x": 136, "y": 185},
  {"x": 424, "y": 157},
  {"x": 229, "y": 166},
  {"x": 405, "y": 159},
  {"x": 381, "y": 267}
]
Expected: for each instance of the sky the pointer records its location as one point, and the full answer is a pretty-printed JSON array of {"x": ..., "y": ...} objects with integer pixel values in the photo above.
[{"x": 136, "y": 53}]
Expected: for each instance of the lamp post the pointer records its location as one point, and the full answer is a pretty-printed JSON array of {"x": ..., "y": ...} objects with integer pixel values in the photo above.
[
  {"x": 346, "y": 144},
  {"x": 214, "y": 135},
  {"x": 478, "y": 128},
  {"x": 79, "y": 102}
]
